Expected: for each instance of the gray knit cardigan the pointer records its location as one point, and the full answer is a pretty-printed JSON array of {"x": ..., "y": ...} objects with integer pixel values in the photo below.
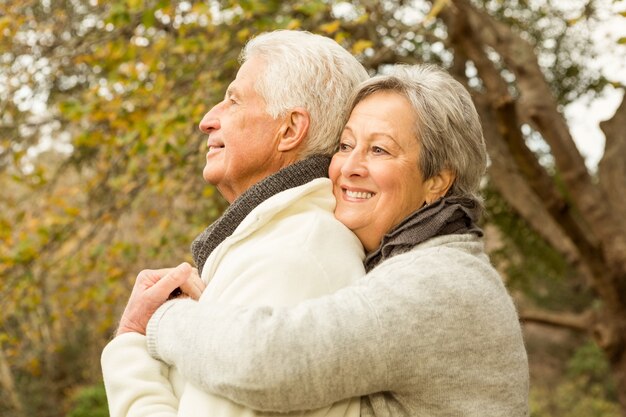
[{"x": 431, "y": 332}]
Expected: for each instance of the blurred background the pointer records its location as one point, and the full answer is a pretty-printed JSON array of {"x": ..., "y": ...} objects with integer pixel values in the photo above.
[{"x": 101, "y": 161}]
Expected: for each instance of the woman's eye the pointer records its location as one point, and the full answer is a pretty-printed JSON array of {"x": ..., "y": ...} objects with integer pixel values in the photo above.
[
  {"x": 379, "y": 151},
  {"x": 344, "y": 147}
]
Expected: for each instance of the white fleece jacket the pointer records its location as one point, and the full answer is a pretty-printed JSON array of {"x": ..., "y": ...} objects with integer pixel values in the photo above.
[{"x": 288, "y": 249}]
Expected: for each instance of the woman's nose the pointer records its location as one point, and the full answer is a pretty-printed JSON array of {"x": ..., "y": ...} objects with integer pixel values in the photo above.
[
  {"x": 210, "y": 121},
  {"x": 354, "y": 165}
]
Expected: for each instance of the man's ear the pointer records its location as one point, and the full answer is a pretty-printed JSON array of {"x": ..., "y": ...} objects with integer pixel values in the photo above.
[
  {"x": 438, "y": 186},
  {"x": 295, "y": 130}
]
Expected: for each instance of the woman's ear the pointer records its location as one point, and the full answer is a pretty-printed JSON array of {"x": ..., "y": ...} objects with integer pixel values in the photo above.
[
  {"x": 438, "y": 186},
  {"x": 295, "y": 130}
]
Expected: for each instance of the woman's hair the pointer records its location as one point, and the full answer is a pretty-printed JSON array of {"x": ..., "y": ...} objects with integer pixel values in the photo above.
[
  {"x": 310, "y": 71},
  {"x": 448, "y": 127}
]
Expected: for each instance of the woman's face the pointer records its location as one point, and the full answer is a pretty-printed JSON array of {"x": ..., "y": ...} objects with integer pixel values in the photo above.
[{"x": 375, "y": 174}]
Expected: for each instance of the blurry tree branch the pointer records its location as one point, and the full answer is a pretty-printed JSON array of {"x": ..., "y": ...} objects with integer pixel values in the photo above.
[{"x": 581, "y": 322}]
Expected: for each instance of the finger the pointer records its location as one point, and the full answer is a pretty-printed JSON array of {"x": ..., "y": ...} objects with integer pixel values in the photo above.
[
  {"x": 148, "y": 277},
  {"x": 191, "y": 290},
  {"x": 196, "y": 280},
  {"x": 200, "y": 285},
  {"x": 174, "y": 279},
  {"x": 194, "y": 286}
]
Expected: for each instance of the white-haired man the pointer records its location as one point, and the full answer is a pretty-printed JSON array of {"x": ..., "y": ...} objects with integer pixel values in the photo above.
[{"x": 270, "y": 142}]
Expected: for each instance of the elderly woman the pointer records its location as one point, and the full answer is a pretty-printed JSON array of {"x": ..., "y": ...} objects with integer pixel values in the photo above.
[{"x": 430, "y": 330}]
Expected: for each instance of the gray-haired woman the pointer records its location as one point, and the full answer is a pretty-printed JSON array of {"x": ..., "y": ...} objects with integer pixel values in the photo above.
[{"x": 430, "y": 330}]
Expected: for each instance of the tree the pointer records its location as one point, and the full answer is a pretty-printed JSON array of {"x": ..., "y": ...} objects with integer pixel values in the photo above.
[
  {"x": 100, "y": 157},
  {"x": 591, "y": 231}
]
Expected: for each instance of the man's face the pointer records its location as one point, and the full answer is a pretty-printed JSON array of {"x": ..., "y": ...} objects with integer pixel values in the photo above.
[{"x": 242, "y": 136}]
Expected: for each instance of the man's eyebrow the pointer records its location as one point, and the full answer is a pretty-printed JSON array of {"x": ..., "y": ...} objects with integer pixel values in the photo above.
[{"x": 231, "y": 90}]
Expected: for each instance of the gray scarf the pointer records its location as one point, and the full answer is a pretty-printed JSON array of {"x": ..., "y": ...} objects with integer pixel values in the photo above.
[
  {"x": 292, "y": 176},
  {"x": 446, "y": 216}
]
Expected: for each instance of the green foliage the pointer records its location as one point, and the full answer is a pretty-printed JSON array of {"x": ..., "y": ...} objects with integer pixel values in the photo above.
[
  {"x": 101, "y": 159},
  {"x": 590, "y": 366},
  {"x": 532, "y": 266},
  {"x": 561, "y": 33},
  {"x": 572, "y": 398},
  {"x": 90, "y": 402},
  {"x": 588, "y": 392}
]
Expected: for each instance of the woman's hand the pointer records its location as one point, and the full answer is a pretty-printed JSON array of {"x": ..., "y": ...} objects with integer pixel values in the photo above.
[
  {"x": 194, "y": 286},
  {"x": 152, "y": 289}
]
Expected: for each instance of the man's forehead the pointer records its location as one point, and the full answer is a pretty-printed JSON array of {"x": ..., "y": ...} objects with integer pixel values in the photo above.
[
  {"x": 240, "y": 84},
  {"x": 236, "y": 88}
]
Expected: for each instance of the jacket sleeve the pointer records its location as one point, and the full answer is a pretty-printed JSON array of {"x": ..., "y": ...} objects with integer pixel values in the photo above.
[
  {"x": 276, "y": 359},
  {"x": 136, "y": 384}
]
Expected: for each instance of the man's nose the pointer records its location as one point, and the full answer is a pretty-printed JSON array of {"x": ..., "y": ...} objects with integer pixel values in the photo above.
[{"x": 210, "y": 121}]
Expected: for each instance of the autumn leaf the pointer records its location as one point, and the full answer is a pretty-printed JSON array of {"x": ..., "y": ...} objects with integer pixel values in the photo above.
[
  {"x": 361, "y": 45},
  {"x": 331, "y": 27}
]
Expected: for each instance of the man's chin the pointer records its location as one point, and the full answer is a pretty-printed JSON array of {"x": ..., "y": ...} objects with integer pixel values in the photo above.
[{"x": 210, "y": 176}]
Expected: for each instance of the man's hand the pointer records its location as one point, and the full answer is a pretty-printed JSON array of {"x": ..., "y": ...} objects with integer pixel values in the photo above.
[{"x": 152, "y": 289}]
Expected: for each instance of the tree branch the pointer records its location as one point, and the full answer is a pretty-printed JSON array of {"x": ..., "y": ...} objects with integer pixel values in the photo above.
[
  {"x": 8, "y": 382},
  {"x": 582, "y": 322},
  {"x": 505, "y": 176},
  {"x": 596, "y": 237},
  {"x": 537, "y": 105},
  {"x": 514, "y": 169},
  {"x": 612, "y": 167}
]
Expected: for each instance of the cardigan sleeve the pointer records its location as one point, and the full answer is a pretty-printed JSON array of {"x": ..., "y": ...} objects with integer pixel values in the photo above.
[
  {"x": 276, "y": 359},
  {"x": 433, "y": 326}
]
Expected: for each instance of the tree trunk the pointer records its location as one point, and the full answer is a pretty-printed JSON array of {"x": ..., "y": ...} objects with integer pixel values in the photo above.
[
  {"x": 612, "y": 177},
  {"x": 591, "y": 230},
  {"x": 8, "y": 384}
]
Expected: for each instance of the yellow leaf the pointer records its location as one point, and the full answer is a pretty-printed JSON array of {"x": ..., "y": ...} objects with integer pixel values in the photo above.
[
  {"x": 243, "y": 34},
  {"x": 294, "y": 24},
  {"x": 34, "y": 367},
  {"x": 72, "y": 211},
  {"x": 572, "y": 22},
  {"x": 179, "y": 50},
  {"x": 4, "y": 23},
  {"x": 341, "y": 36},
  {"x": 114, "y": 272},
  {"x": 330, "y": 27},
  {"x": 135, "y": 5},
  {"x": 164, "y": 223},
  {"x": 361, "y": 45},
  {"x": 363, "y": 18},
  {"x": 208, "y": 192}
]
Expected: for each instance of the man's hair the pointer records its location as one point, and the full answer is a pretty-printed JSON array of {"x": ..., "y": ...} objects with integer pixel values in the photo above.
[
  {"x": 310, "y": 71},
  {"x": 448, "y": 127}
]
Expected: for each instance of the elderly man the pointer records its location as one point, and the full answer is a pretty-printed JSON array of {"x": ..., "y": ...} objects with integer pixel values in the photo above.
[{"x": 269, "y": 143}]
